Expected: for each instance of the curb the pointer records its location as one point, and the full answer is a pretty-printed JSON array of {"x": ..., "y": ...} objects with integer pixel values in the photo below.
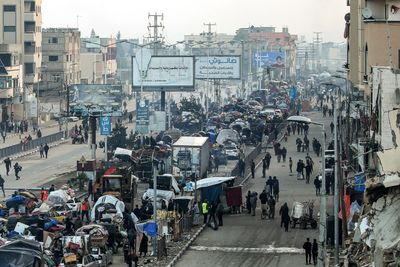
[{"x": 179, "y": 255}]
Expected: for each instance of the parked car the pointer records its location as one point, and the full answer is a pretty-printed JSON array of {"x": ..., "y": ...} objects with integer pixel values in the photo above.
[
  {"x": 102, "y": 255},
  {"x": 73, "y": 119},
  {"x": 87, "y": 261},
  {"x": 232, "y": 151}
]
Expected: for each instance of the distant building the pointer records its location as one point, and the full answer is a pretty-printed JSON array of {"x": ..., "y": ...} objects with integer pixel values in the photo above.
[
  {"x": 61, "y": 59},
  {"x": 107, "y": 48},
  {"x": 21, "y": 39}
]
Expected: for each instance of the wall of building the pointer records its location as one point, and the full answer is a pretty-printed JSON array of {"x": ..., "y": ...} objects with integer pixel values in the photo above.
[
  {"x": 356, "y": 42},
  {"x": 61, "y": 58},
  {"x": 92, "y": 67},
  {"x": 384, "y": 84}
]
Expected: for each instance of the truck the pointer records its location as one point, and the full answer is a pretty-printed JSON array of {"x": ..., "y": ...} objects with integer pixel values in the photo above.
[
  {"x": 191, "y": 156},
  {"x": 119, "y": 182}
]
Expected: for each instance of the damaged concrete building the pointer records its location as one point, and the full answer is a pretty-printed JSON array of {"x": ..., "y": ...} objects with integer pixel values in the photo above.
[{"x": 376, "y": 237}]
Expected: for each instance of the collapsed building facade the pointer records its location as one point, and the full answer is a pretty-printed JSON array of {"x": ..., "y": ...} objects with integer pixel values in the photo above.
[{"x": 375, "y": 238}]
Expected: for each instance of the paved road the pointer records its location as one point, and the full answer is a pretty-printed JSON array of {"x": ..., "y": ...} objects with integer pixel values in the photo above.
[{"x": 249, "y": 241}]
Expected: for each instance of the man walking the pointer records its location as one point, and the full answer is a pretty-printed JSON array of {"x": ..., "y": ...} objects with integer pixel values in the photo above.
[
  {"x": 315, "y": 251},
  {"x": 300, "y": 169},
  {"x": 17, "y": 169},
  {"x": 285, "y": 218},
  {"x": 307, "y": 247},
  {"x": 332, "y": 127},
  {"x": 276, "y": 188},
  {"x": 41, "y": 150},
  {"x": 308, "y": 171},
  {"x": 317, "y": 184},
  {"x": 284, "y": 152},
  {"x": 7, "y": 161},
  {"x": 46, "y": 150},
  {"x": 270, "y": 185},
  {"x": 2, "y": 185},
  {"x": 263, "y": 199},
  {"x": 264, "y": 167},
  {"x": 253, "y": 203},
  {"x": 253, "y": 169},
  {"x": 267, "y": 159}
]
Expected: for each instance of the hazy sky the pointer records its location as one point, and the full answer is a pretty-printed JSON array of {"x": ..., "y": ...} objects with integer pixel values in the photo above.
[{"x": 303, "y": 17}]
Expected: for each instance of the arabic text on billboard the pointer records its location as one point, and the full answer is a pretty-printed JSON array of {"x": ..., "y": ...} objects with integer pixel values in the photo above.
[
  {"x": 95, "y": 98},
  {"x": 169, "y": 73},
  {"x": 217, "y": 67},
  {"x": 269, "y": 59}
]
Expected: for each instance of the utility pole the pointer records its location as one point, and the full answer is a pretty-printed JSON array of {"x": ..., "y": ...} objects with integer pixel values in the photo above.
[
  {"x": 316, "y": 46},
  {"x": 209, "y": 34},
  {"x": 157, "y": 38}
]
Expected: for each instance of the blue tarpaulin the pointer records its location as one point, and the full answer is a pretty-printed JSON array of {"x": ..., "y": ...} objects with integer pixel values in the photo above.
[
  {"x": 359, "y": 183},
  {"x": 150, "y": 228},
  {"x": 211, "y": 193}
]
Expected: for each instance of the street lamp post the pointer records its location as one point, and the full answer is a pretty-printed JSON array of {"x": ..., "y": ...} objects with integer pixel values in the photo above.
[{"x": 322, "y": 215}]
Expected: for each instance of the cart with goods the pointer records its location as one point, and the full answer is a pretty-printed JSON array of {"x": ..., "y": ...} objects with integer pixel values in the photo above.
[{"x": 302, "y": 214}]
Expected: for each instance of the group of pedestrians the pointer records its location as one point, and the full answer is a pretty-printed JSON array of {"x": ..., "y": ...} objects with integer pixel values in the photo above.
[
  {"x": 210, "y": 210},
  {"x": 44, "y": 150}
]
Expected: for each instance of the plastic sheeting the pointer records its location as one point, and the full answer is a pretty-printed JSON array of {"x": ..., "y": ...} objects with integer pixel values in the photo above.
[
  {"x": 163, "y": 194},
  {"x": 234, "y": 196},
  {"x": 206, "y": 182},
  {"x": 211, "y": 193},
  {"x": 119, "y": 205},
  {"x": 150, "y": 228}
]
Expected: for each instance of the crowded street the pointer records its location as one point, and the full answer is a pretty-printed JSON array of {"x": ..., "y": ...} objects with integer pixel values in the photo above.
[{"x": 199, "y": 133}]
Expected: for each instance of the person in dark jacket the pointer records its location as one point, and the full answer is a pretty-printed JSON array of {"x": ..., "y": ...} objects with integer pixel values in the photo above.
[
  {"x": 253, "y": 169},
  {"x": 284, "y": 153},
  {"x": 267, "y": 159},
  {"x": 248, "y": 204},
  {"x": 220, "y": 213},
  {"x": 270, "y": 184},
  {"x": 264, "y": 167},
  {"x": 7, "y": 162},
  {"x": 285, "y": 218},
  {"x": 307, "y": 246},
  {"x": 275, "y": 187},
  {"x": 315, "y": 251},
  {"x": 263, "y": 199},
  {"x": 308, "y": 172},
  {"x": 46, "y": 150},
  {"x": 143, "y": 245},
  {"x": 212, "y": 212},
  {"x": 317, "y": 184}
]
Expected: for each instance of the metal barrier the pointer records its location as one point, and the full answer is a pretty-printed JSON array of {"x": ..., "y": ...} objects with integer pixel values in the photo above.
[{"x": 30, "y": 145}]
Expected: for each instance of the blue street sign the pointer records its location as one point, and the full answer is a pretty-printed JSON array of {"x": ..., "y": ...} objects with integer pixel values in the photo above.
[{"x": 105, "y": 125}]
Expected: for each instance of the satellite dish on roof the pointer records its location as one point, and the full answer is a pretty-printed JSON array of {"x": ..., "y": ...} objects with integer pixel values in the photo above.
[{"x": 367, "y": 13}]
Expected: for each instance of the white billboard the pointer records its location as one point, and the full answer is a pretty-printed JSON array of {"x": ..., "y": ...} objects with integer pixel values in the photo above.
[
  {"x": 217, "y": 67},
  {"x": 164, "y": 73}
]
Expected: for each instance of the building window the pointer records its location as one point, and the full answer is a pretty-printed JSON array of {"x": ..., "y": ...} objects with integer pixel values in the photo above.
[
  {"x": 53, "y": 58},
  {"x": 9, "y": 28},
  {"x": 29, "y": 68},
  {"x": 54, "y": 40},
  {"x": 29, "y": 26},
  {"x": 9, "y": 8}
]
